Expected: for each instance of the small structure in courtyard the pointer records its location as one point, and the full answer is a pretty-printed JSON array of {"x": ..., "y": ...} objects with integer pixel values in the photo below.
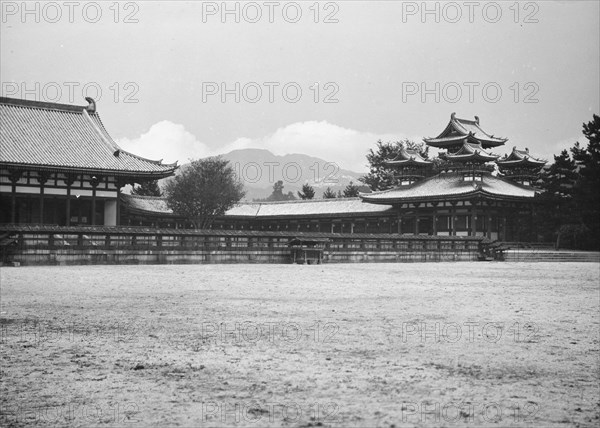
[{"x": 307, "y": 250}]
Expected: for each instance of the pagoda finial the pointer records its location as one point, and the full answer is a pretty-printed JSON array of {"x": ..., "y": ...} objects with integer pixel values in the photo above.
[
  {"x": 91, "y": 107},
  {"x": 477, "y": 120}
]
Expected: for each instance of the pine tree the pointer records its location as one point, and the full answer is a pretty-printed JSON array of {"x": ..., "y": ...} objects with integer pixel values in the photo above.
[
  {"x": 587, "y": 189},
  {"x": 328, "y": 194},
  {"x": 351, "y": 190},
  {"x": 557, "y": 213},
  {"x": 308, "y": 192}
]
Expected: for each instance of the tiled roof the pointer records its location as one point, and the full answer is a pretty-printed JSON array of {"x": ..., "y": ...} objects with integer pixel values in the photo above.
[
  {"x": 309, "y": 208},
  {"x": 147, "y": 204},
  {"x": 470, "y": 152},
  {"x": 316, "y": 207},
  {"x": 408, "y": 157},
  {"x": 66, "y": 137},
  {"x": 520, "y": 158},
  {"x": 449, "y": 185},
  {"x": 458, "y": 129}
]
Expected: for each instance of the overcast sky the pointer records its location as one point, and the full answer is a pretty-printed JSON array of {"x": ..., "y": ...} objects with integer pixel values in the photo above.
[{"x": 174, "y": 59}]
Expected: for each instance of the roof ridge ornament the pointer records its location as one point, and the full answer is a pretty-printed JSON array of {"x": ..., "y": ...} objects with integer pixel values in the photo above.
[
  {"x": 477, "y": 120},
  {"x": 91, "y": 107}
]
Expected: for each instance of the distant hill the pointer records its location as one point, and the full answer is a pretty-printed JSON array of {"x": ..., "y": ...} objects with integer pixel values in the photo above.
[{"x": 259, "y": 169}]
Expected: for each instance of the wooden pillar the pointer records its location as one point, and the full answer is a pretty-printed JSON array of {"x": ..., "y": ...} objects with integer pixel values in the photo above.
[
  {"x": 351, "y": 227},
  {"x": 434, "y": 220},
  {"x": 13, "y": 203},
  {"x": 502, "y": 223},
  {"x": 54, "y": 211},
  {"x": 399, "y": 221},
  {"x": 416, "y": 216},
  {"x": 532, "y": 229},
  {"x": 94, "y": 183},
  {"x": 473, "y": 220},
  {"x": 15, "y": 176},
  {"x": 487, "y": 222},
  {"x": 42, "y": 179},
  {"x": 453, "y": 219},
  {"x": 69, "y": 180}
]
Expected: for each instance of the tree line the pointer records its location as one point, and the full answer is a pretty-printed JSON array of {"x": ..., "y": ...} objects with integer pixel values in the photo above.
[{"x": 308, "y": 192}]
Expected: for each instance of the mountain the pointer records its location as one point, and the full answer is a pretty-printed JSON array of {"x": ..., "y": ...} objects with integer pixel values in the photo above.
[{"x": 259, "y": 169}]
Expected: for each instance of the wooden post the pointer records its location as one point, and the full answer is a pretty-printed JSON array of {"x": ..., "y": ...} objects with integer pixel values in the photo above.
[
  {"x": 502, "y": 221},
  {"x": 13, "y": 200},
  {"x": 42, "y": 179},
  {"x": 399, "y": 223},
  {"x": 488, "y": 222},
  {"x": 69, "y": 180},
  {"x": 15, "y": 176},
  {"x": 453, "y": 219},
  {"x": 473, "y": 220},
  {"x": 94, "y": 181}
]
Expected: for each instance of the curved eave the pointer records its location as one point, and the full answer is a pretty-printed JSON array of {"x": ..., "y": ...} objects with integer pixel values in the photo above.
[
  {"x": 446, "y": 140},
  {"x": 304, "y": 216},
  {"x": 453, "y": 141},
  {"x": 521, "y": 162},
  {"x": 455, "y": 125},
  {"x": 409, "y": 162},
  {"x": 470, "y": 157},
  {"x": 479, "y": 192},
  {"x": 173, "y": 165},
  {"x": 67, "y": 169},
  {"x": 105, "y": 135}
]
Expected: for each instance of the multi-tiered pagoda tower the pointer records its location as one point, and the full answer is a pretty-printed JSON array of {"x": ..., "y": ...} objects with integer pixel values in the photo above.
[
  {"x": 409, "y": 166},
  {"x": 520, "y": 166},
  {"x": 472, "y": 192}
]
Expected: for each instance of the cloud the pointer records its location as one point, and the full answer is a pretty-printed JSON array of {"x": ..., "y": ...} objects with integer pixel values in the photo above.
[
  {"x": 166, "y": 140},
  {"x": 347, "y": 147}
]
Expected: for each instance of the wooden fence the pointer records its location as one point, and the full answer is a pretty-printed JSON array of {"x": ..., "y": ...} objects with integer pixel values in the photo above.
[{"x": 39, "y": 244}]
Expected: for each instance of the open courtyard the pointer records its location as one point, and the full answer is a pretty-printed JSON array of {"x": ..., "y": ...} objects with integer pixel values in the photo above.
[{"x": 450, "y": 344}]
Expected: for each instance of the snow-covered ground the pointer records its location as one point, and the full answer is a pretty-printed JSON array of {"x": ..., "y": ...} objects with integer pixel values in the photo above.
[{"x": 452, "y": 344}]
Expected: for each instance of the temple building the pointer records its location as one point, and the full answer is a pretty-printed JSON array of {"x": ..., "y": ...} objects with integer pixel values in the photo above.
[
  {"x": 471, "y": 193},
  {"x": 59, "y": 165}
]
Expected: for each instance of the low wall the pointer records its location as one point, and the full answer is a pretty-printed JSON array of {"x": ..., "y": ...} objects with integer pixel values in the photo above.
[{"x": 37, "y": 245}]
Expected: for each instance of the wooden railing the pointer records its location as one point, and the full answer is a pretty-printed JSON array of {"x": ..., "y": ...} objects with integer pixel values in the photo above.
[
  {"x": 39, "y": 241},
  {"x": 81, "y": 237}
]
